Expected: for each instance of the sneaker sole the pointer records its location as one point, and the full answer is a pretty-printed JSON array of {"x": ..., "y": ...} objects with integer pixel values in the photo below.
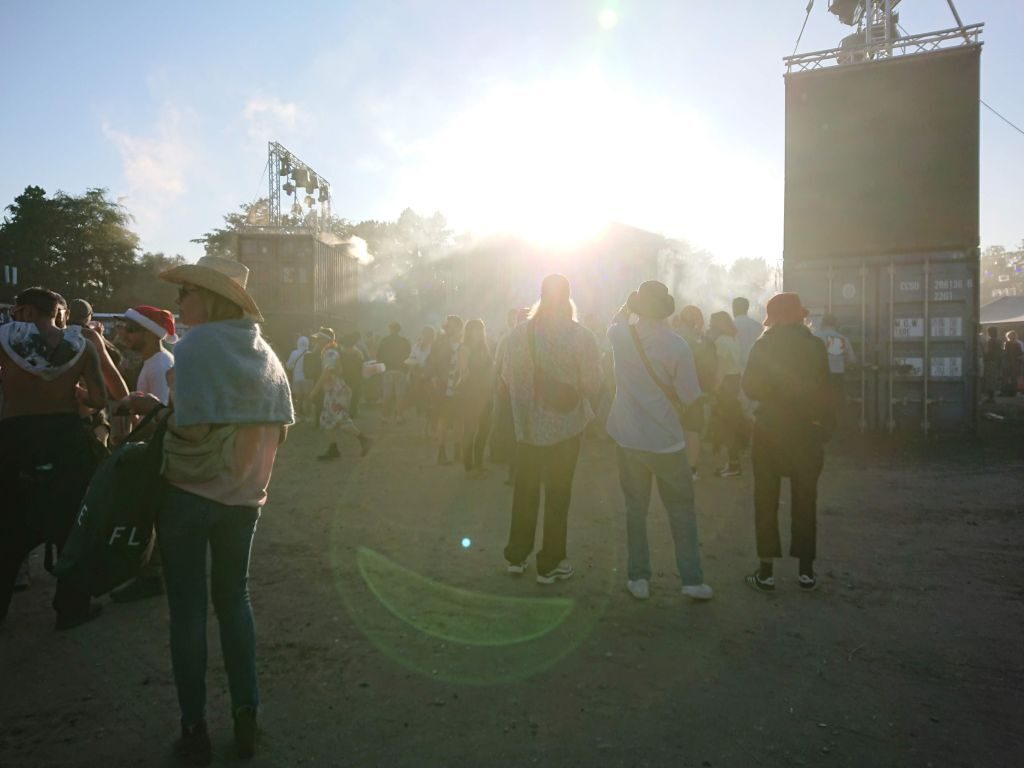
[
  {"x": 551, "y": 579},
  {"x": 698, "y": 598},
  {"x": 750, "y": 582}
]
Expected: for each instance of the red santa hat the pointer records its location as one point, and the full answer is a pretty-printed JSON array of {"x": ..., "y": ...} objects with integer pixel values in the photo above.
[{"x": 157, "y": 321}]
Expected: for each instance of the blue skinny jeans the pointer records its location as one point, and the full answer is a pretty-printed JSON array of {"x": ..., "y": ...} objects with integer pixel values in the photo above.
[{"x": 187, "y": 526}]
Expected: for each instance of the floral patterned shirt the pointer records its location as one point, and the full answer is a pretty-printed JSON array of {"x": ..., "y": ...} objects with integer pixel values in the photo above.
[{"x": 567, "y": 352}]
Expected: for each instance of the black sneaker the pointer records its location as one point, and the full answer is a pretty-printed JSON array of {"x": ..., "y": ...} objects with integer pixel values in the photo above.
[
  {"x": 138, "y": 589},
  {"x": 730, "y": 471},
  {"x": 754, "y": 581},
  {"x": 245, "y": 732},
  {"x": 807, "y": 582},
  {"x": 194, "y": 744},
  {"x": 561, "y": 572},
  {"x": 331, "y": 453},
  {"x": 365, "y": 444}
]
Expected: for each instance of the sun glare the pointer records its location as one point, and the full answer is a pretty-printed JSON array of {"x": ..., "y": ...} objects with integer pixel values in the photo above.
[
  {"x": 608, "y": 18},
  {"x": 555, "y": 161}
]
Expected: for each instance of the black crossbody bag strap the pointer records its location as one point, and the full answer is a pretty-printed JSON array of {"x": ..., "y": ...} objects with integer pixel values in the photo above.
[{"x": 671, "y": 394}]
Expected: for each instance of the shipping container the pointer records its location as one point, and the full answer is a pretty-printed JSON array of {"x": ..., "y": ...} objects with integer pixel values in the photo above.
[
  {"x": 913, "y": 323},
  {"x": 299, "y": 281}
]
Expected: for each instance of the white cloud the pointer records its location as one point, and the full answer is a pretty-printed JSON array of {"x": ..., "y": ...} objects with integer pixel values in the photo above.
[
  {"x": 155, "y": 166},
  {"x": 266, "y": 117}
]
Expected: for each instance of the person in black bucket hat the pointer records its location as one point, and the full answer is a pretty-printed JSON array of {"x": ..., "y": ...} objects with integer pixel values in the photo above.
[
  {"x": 655, "y": 384},
  {"x": 652, "y": 300}
]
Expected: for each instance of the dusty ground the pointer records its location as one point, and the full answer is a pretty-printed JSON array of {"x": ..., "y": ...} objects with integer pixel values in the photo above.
[{"x": 908, "y": 655}]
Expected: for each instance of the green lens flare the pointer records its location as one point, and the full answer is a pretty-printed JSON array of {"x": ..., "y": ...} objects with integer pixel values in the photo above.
[{"x": 459, "y": 615}]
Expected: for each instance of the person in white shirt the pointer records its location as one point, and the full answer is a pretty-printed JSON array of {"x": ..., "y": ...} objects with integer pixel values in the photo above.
[
  {"x": 748, "y": 330},
  {"x": 145, "y": 329},
  {"x": 655, "y": 376},
  {"x": 840, "y": 355}
]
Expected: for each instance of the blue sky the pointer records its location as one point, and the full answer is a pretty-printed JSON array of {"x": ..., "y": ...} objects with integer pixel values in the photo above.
[{"x": 500, "y": 115}]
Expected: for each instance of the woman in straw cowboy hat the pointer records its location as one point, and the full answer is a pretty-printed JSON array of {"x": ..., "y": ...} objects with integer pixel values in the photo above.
[{"x": 232, "y": 407}]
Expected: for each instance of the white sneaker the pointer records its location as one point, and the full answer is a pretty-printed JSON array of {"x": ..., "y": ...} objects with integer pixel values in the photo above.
[
  {"x": 562, "y": 571},
  {"x": 518, "y": 568},
  {"x": 640, "y": 588},
  {"x": 699, "y": 592}
]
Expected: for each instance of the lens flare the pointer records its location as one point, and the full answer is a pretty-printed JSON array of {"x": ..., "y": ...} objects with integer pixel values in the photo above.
[
  {"x": 466, "y": 543},
  {"x": 608, "y": 18}
]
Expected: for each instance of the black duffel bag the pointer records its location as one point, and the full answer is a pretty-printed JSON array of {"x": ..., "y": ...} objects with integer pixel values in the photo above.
[{"x": 114, "y": 525}]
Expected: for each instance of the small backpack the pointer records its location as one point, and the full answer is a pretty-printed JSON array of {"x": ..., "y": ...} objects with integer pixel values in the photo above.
[{"x": 114, "y": 524}]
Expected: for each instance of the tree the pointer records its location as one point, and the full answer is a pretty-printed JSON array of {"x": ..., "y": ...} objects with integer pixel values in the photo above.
[
  {"x": 144, "y": 286},
  {"x": 78, "y": 245}
]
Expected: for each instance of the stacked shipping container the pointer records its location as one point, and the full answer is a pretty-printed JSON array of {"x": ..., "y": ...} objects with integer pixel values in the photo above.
[{"x": 882, "y": 229}]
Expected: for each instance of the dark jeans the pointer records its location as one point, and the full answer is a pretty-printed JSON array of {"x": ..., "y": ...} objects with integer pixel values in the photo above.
[
  {"x": 186, "y": 527},
  {"x": 553, "y": 467},
  {"x": 798, "y": 455},
  {"x": 46, "y": 463},
  {"x": 476, "y": 428},
  {"x": 729, "y": 426}
]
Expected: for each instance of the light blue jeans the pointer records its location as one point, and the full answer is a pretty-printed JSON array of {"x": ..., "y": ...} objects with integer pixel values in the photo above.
[
  {"x": 675, "y": 486},
  {"x": 187, "y": 526}
]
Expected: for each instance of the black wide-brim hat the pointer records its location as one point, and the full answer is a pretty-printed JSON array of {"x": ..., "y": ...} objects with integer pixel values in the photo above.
[{"x": 652, "y": 300}]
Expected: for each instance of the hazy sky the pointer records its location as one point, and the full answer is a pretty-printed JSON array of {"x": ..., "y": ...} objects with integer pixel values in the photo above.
[{"x": 518, "y": 115}]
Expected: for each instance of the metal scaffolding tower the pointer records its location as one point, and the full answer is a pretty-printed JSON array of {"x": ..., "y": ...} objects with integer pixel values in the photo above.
[{"x": 287, "y": 173}]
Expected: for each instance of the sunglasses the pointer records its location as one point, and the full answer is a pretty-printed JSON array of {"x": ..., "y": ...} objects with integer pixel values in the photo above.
[
  {"x": 185, "y": 290},
  {"x": 130, "y": 327}
]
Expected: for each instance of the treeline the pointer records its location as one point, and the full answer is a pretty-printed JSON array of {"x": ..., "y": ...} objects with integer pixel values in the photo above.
[{"x": 81, "y": 246}]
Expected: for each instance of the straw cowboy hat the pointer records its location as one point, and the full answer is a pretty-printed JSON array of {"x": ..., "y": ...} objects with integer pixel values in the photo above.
[{"x": 225, "y": 277}]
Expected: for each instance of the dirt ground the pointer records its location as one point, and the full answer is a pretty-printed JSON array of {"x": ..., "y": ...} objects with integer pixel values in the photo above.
[{"x": 390, "y": 634}]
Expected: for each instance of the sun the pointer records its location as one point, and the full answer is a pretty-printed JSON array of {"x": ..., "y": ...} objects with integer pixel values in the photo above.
[
  {"x": 608, "y": 18},
  {"x": 554, "y": 161}
]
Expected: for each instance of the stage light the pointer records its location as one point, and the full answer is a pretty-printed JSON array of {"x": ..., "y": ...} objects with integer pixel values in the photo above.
[
  {"x": 289, "y": 188},
  {"x": 311, "y": 183},
  {"x": 848, "y": 11},
  {"x": 324, "y": 194},
  {"x": 309, "y": 201}
]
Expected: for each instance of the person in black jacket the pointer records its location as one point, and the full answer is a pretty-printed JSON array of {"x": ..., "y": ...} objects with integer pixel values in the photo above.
[{"x": 787, "y": 375}]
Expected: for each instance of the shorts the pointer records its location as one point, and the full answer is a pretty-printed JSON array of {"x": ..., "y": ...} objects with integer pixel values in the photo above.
[{"x": 393, "y": 384}]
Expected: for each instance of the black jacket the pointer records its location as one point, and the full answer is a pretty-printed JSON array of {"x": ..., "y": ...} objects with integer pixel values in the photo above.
[{"x": 787, "y": 374}]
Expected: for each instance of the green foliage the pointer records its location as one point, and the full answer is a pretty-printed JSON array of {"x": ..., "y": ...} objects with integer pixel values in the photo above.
[
  {"x": 81, "y": 246},
  {"x": 144, "y": 286}
]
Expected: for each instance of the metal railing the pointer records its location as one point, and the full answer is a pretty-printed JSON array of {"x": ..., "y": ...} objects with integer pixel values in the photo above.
[{"x": 904, "y": 46}]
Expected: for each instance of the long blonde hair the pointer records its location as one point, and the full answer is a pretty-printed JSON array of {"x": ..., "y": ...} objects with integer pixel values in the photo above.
[
  {"x": 220, "y": 307},
  {"x": 555, "y": 302}
]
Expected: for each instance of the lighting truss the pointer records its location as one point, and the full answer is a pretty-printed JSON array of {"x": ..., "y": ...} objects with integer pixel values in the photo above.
[
  {"x": 878, "y": 49},
  {"x": 279, "y": 157}
]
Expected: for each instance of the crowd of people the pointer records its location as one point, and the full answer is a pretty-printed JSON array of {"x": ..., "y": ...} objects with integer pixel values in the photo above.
[
  {"x": 1002, "y": 364},
  {"x": 659, "y": 382}
]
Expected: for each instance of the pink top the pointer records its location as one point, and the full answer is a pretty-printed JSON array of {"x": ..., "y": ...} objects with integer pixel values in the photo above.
[{"x": 244, "y": 483}]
